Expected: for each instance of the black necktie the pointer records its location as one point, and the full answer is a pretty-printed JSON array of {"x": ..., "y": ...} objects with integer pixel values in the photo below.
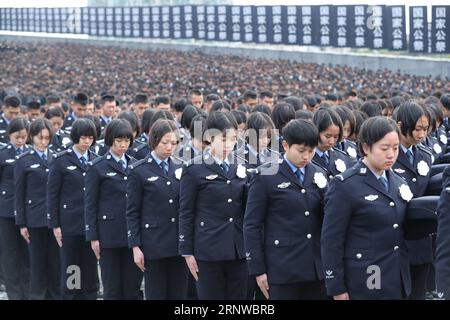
[
  {"x": 300, "y": 176},
  {"x": 326, "y": 158},
  {"x": 83, "y": 162},
  {"x": 19, "y": 151},
  {"x": 410, "y": 156},
  {"x": 122, "y": 163},
  {"x": 44, "y": 157}
]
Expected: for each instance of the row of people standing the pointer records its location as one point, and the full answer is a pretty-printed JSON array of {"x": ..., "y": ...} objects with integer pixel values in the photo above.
[{"x": 205, "y": 223}]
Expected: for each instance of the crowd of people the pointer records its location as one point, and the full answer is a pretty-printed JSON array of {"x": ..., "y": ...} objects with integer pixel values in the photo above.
[{"x": 219, "y": 177}]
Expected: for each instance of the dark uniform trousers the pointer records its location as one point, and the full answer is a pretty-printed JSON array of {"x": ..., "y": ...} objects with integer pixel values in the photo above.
[
  {"x": 222, "y": 280},
  {"x": 166, "y": 279},
  {"x": 120, "y": 276},
  {"x": 310, "y": 290},
  {"x": 44, "y": 264},
  {"x": 77, "y": 252},
  {"x": 15, "y": 262}
]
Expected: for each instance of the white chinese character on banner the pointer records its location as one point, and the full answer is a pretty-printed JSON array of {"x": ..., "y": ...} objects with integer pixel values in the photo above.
[
  {"x": 359, "y": 10},
  {"x": 378, "y": 43},
  {"x": 342, "y": 42},
  {"x": 305, "y": 20},
  {"x": 307, "y": 39},
  {"x": 341, "y": 11},
  {"x": 341, "y": 21},
  {"x": 418, "y": 35},
  {"x": 397, "y": 12},
  {"x": 324, "y": 10},
  {"x": 418, "y": 46},
  {"x": 324, "y": 20},
  {"x": 440, "y": 12},
  {"x": 360, "y": 41},
  {"x": 440, "y": 46},
  {"x": 440, "y": 24},
  {"x": 325, "y": 40},
  {"x": 418, "y": 23}
]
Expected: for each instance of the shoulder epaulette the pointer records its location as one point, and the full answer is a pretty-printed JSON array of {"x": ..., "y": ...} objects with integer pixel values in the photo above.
[
  {"x": 59, "y": 154},
  {"x": 355, "y": 170},
  {"x": 138, "y": 163},
  {"x": 97, "y": 160}
]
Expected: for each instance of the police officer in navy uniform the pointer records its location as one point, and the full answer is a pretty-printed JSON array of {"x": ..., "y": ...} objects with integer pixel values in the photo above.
[
  {"x": 65, "y": 203},
  {"x": 30, "y": 176},
  {"x": 108, "y": 107},
  {"x": 61, "y": 140},
  {"x": 105, "y": 207},
  {"x": 414, "y": 166},
  {"x": 152, "y": 216},
  {"x": 14, "y": 261},
  {"x": 348, "y": 126},
  {"x": 363, "y": 249},
  {"x": 283, "y": 219},
  {"x": 212, "y": 205},
  {"x": 442, "y": 262},
  {"x": 197, "y": 144},
  {"x": 79, "y": 104},
  {"x": 332, "y": 160},
  {"x": 11, "y": 110}
]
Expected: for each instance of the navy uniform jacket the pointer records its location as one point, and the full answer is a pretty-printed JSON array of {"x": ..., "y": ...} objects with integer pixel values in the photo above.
[
  {"x": 187, "y": 152},
  {"x": 350, "y": 149},
  {"x": 417, "y": 176},
  {"x": 4, "y": 137},
  {"x": 362, "y": 227},
  {"x": 61, "y": 141},
  {"x": 100, "y": 147},
  {"x": 30, "y": 178},
  {"x": 212, "y": 206},
  {"x": 105, "y": 202},
  {"x": 253, "y": 161},
  {"x": 443, "y": 239},
  {"x": 68, "y": 122},
  {"x": 65, "y": 193},
  {"x": 282, "y": 224},
  {"x": 143, "y": 138},
  {"x": 338, "y": 162},
  {"x": 140, "y": 151},
  {"x": 152, "y": 208},
  {"x": 7, "y": 162}
]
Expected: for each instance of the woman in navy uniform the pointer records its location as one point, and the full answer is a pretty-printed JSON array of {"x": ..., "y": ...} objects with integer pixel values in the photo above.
[
  {"x": 443, "y": 239},
  {"x": 414, "y": 166},
  {"x": 283, "y": 219},
  {"x": 363, "y": 249},
  {"x": 15, "y": 262},
  {"x": 348, "y": 129},
  {"x": 30, "y": 177},
  {"x": 212, "y": 205},
  {"x": 197, "y": 144},
  {"x": 105, "y": 207},
  {"x": 257, "y": 151},
  {"x": 332, "y": 160},
  {"x": 61, "y": 140},
  {"x": 152, "y": 216},
  {"x": 65, "y": 204}
]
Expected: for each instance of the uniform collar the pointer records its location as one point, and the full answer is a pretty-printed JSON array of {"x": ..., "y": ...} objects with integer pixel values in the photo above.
[
  {"x": 123, "y": 158},
  {"x": 79, "y": 155},
  {"x": 292, "y": 166},
  {"x": 39, "y": 153},
  {"x": 157, "y": 159},
  {"x": 320, "y": 153},
  {"x": 405, "y": 150}
]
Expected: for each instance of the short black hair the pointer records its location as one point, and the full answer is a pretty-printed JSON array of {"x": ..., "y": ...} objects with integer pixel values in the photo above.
[
  {"x": 360, "y": 117},
  {"x": 212, "y": 97},
  {"x": 12, "y": 102},
  {"x": 140, "y": 98},
  {"x": 52, "y": 98},
  {"x": 146, "y": 118},
  {"x": 265, "y": 94},
  {"x": 282, "y": 113},
  {"x": 65, "y": 106},
  {"x": 445, "y": 101},
  {"x": 259, "y": 121},
  {"x": 106, "y": 97},
  {"x": 34, "y": 105},
  {"x": 188, "y": 114},
  {"x": 239, "y": 116},
  {"x": 221, "y": 121},
  {"x": 325, "y": 117},
  {"x": 245, "y": 108},
  {"x": 372, "y": 108},
  {"x": 310, "y": 100},
  {"x": 249, "y": 94},
  {"x": 195, "y": 92},
  {"x": 180, "y": 104},
  {"x": 161, "y": 128},
  {"x": 346, "y": 115},
  {"x": 432, "y": 107},
  {"x": 373, "y": 130},
  {"x": 81, "y": 99},
  {"x": 132, "y": 118},
  {"x": 296, "y": 102},
  {"x": 304, "y": 114},
  {"x": 118, "y": 128},
  {"x": 97, "y": 123},
  {"x": 37, "y": 126},
  {"x": 83, "y": 127},
  {"x": 408, "y": 113},
  {"x": 220, "y": 105},
  {"x": 262, "y": 108},
  {"x": 331, "y": 97},
  {"x": 162, "y": 100},
  {"x": 299, "y": 131},
  {"x": 54, "y": 112},
  {"x": 18, "y": 124},
  {"x": 161, "y": 114}
]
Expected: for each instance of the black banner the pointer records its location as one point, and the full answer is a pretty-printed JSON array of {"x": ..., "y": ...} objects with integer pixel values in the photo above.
[
  {"x": 222, "y": 23},
  {"x": 418, "y": 29},
  {"x": 146, "y": 22},
  {"x": 275, "y": 24},
  {"x": 263, "y": 24},
  {"x": 234, "y": 25},
  {"x": 177, "y": 21},
  {"x": 343, "y": 26},
  {"x": 165, "y": 22},
  {"x": 187, "y": 27},
  {"x": 127, "y": 22},
  {"x": 211, "y": 23},
  {"x": 395, "y": 28},
  {"x": 248, "y": 25},
  {"x": 200, "y": 32},
  {"x": 440, "y": 34},
  {"x": 156, "y": 22}
]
